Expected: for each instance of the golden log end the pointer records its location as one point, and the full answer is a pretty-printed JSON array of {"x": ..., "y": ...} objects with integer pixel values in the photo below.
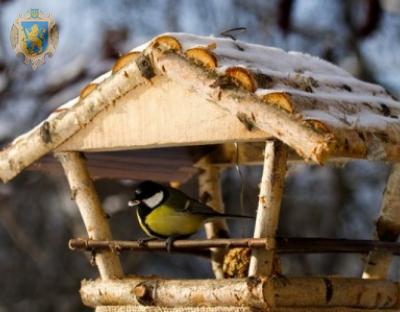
[
  {"x": 203, "y": 56},
  {"x": 124, "y": 60},
  {"x": 242, "y": 77},
  {"x": 280, "y": 99},
  {"x": 167, "y": 42},
  {"x": 87, "y": 90}
]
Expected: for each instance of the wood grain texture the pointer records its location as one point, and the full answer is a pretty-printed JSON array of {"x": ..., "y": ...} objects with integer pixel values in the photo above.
[
  {"x": 164, "y": 164},
  {"x": 164, "y": 114}
]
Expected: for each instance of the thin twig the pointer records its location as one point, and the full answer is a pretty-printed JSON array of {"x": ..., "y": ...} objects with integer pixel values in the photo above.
[{"x": 281, "y": 245}]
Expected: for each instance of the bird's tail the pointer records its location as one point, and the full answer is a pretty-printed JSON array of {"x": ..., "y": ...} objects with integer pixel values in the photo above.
[{"x": 230, "y": 216}]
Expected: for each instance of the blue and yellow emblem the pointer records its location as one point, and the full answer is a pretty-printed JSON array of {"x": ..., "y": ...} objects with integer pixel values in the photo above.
[{"x": 35, "y": 36}]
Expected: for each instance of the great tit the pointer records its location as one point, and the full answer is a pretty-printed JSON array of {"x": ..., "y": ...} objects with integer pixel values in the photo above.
[{"x": 165, "y": 212}]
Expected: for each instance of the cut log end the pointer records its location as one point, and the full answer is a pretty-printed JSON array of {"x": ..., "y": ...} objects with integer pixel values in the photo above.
[
  {"x": 167, "y": 42},
  {"x": 87, "y": 90},
  {"x": 279, "y": 99},
  {"x": 202, "y": 56},
  {"x": 387, "y": 230},
  {"x": 319, "y": 126},
  {"x": 242, "y": 77},
  {"x": 124, "y": 60}
]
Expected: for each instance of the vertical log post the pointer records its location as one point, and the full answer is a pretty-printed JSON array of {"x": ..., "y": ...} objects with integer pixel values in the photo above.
[
  {"x": 387, "y": 227},
  {"x": 94, "y": 218},
  {"x": 210, "y": 194},
  {"x": 271, "y": 189}
]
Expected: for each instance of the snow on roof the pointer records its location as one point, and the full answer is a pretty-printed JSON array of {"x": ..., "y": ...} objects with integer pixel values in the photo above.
[
  {"x": 355, "y": 112},
  {"x": 299, "y": 74},
  {"x": 303, "y": 89}
]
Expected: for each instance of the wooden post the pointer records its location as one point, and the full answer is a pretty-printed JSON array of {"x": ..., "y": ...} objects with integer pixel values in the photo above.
[
  {"x": 387, "y": 227},
  {"x": 271, "y": 189},
  {"x": 85, "y": 196},
  {"x": 210, "y": 194}
]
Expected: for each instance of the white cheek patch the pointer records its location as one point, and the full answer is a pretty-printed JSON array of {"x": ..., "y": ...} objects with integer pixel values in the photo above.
[{"x": 154, "y": 200}]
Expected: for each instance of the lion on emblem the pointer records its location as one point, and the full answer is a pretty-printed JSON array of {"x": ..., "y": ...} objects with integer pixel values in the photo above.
[{"x": 35, "y": 37}]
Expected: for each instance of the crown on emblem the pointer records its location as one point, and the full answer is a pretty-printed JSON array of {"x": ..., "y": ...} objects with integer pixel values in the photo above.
[{"x": 34, "y": 13}]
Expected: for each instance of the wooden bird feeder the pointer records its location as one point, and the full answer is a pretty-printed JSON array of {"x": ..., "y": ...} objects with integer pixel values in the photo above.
[{"x": 181, "y": 103}]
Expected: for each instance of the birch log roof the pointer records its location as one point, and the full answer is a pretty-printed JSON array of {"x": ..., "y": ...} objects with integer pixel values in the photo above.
[{"x": 180, "y": 89}]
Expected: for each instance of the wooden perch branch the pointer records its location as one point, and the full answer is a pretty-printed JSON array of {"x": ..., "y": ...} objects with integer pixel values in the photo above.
[
  {"x": 387, "y": 227},
  {"x": 280, "y": 245},
  {"x": 298, "y": 292},
  {"x": 85, "y": 196},
  {"x": 271, "y": 189},
  {"x": 210, "y": 194}
]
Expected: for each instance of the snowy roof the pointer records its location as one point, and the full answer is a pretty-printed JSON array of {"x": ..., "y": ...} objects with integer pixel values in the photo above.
[{"x": 218, "y": 90}]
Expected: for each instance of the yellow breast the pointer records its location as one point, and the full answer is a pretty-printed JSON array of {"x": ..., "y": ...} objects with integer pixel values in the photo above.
[{"x": 168, "y": 222}]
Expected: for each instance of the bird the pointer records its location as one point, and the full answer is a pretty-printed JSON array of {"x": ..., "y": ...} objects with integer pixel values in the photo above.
[{"x": 167, "y": 213}]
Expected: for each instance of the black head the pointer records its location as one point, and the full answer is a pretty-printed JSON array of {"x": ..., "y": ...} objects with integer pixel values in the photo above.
[{"x": 149, "y": 193}]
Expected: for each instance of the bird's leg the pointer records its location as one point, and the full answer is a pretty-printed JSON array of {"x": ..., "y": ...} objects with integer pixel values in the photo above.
[
  {"x": 169, "y": 242},
  {"x": 142, "y": 241}
]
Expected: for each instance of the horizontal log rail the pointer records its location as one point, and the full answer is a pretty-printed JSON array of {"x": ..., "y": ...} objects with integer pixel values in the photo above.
[
  {"x": 295, "y": 292},
  {"x": 279, "y": 244}
]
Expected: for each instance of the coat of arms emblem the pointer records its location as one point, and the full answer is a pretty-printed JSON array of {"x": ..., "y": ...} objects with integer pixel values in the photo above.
[{"x": 35, "y": 35}]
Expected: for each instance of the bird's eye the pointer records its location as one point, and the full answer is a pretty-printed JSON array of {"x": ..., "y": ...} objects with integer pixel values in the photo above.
[{"x": 138, "y": 191}]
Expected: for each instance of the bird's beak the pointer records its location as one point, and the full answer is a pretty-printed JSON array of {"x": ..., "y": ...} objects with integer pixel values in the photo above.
[{"x": 133, "y": 203}]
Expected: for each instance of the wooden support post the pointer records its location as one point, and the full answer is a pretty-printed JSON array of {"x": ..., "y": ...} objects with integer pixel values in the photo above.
[
  {"x": 210, "y": 194},
  {"x": 387, "y": 227},
  {"x": 271, "y": 189},
  {"x": 85, "y": 196}
]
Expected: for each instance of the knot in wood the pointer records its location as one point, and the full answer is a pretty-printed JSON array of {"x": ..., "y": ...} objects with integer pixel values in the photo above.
[
  {"x": 144, "y": 64},
  {"x": 144, "y": 293},
  {"x": 45, "y": 134}
]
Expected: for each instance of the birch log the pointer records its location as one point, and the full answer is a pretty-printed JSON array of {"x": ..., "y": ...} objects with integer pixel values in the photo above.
[
  {"x": 183, "y": 309},
  {"x": 210, "y": 194},
  {"x": 271, "y": 189},
  {"x": 231, "y": 309},
  {"x": 297, "y": 292},
  {"x": 249, "y": 109},
  {"x": 387, "y": 227},
  {"x": 94, "y": 218},
  {"x": 63, "y": 124}
]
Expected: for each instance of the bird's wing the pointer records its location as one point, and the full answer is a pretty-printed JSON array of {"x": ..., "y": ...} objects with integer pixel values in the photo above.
[
  {"x": 190, "y": 205},
  {"x": 183, "y": 203}
]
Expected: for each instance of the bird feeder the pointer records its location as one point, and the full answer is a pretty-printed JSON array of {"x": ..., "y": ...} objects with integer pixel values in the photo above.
[{"x": 182, "y": 105}]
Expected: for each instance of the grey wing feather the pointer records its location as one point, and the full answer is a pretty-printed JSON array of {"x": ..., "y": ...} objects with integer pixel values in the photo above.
[
  {"x": 192, "y": 205},
  {"x": 196, "y": 207}
]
